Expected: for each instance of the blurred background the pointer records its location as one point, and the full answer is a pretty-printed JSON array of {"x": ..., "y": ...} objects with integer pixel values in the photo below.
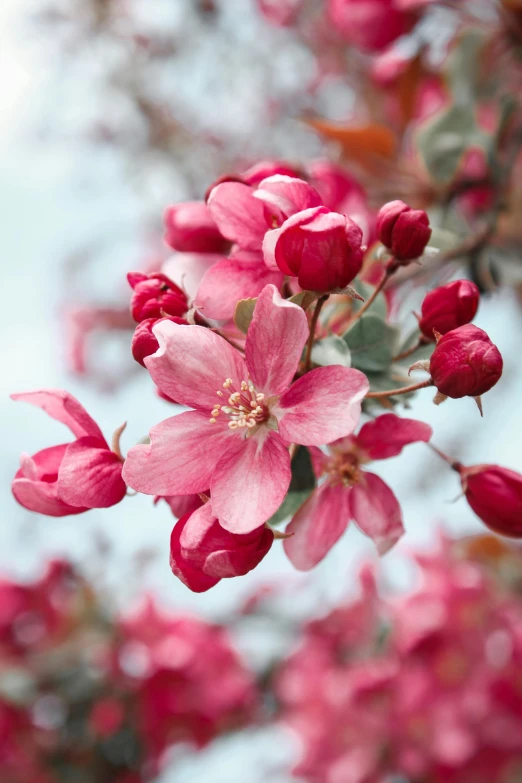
[{"x": 114, "y": 109}]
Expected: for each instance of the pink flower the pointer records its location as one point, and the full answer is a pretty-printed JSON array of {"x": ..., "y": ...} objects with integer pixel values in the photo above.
[
  {"x": 348, "y": 492},
  {"x": 403, "y": 230},
  {"x": 72, "y": 477},
  {"x": 245, "y": 412},
  {"x": 369, "y": 24},
  {"x": 465, "y": 363},
  {"x": 143, "y": 342},
  {"x": 448, "y": 307},
  {"x": 280, "y": 12},
  {"x": 202, "y": 552},
  {"x": 495, "y": 495},
  {"x": 190, "y": 228},
  {"x": 155, "y": 296},
  {"x": 321, "y": 248}
]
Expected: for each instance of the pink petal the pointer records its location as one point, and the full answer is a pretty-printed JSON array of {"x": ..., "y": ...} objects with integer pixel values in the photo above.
[
  {"x": 90, "y": 475},
  {"x": 62, "y": 406},
  {"x": 275, "y": 341},
  {"x": 318, "y": 525},
  {"x": 287, "y": 194},
  {"x": 377, "y": 512},
  {"x": 193, "y": 578},
  {"x": 269, "y": 247},
  {"x": 192, "y": 363},
  {"x": 322, "y": 406},
  {"x": 180, "y": 505},
  {"x": 181, "y": 457},
  {"x": 319, "y": 460},
  {"x": 230, "y": 280},
  {"x": 239, "y": 216},
  {"x": 34, "y": 485},
  {"x": 250, "y": 481},
  {"x": 387, "y": 435},
  {"x": 187, "y": 270}
]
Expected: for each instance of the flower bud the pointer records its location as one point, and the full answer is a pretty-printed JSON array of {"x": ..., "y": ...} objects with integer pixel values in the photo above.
[
  {"x": 202, "y": 552},
  {"x": 190, "y": 228},
  {"x": 155, "y": 296},
  {"x": 321, "y": 248},
  {"x": 495, "y": 495},
  {"x": 144, "y": 343},
  {"x": 465, "y": 363},
  {"x": 403, "y": 230},
  {"x": 448, "y": 307}
]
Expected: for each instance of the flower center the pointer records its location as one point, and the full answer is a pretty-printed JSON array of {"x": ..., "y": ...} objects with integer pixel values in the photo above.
[
  {"x": 344, "y": 469},
  {"x": 244, "y": 408}
]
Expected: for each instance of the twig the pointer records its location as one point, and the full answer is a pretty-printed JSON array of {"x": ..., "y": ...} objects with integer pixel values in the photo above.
[
  {"x": 318, "y": 307},
  {"x": 404, "y": 390}
]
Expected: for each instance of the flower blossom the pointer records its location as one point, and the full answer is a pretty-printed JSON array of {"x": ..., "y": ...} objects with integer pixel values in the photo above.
[
  {"x": 72, "y": 477},
  {"x": 495, "y": 495},
  {"x": 448, "y": 307},
  {"x": 246, "y": 411},
  {"x": 349, "y": 492},
  {"x": 465, "y": 363}
]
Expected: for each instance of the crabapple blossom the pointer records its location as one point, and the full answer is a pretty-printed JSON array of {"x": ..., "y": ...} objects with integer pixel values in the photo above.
[
  {"x": 465, "y": 363},
  {"x": 403, "y": 230},
  {"x": 448, "y": 307},
  {"x": 202, "y": 552},
  {"x": 72, "y": 477},
  {"x": 350, "y": 492},
  {"x": 369, "y": 24},
  {"x": 189, "y": 228},
  {"x": 246, "y": 411},
  {"x": 155, "y": 296},
  {"x": 495, "y": 495},
  {"x": 143, "y": 342}
]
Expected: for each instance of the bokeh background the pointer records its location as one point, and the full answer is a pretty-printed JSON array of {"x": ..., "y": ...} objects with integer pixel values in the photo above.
[{"x": 109, "y": 112}]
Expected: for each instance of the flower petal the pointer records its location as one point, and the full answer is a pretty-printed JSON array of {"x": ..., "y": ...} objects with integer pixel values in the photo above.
[
  {"x": 192, "y": 364},
  {"x": 230, "y": 280},
  {"x": 387, "y": 435},
  {"x": 250, "y": 481},
  {"x": 377, "y": 512},
  {"x": 90, "y": 475},
  {"x": 318, "y": 525},
  {"x": 322, "y": 406},
  {"x": 239, "y": 216},
  {"x": 275, "y": 341},
  {"x": 34, "y": 485},
  {"x": 187, "y": 270},
  {"x": 193, "y": 578},
  {"x": 181, "y": 457},
  {"x": 62, "y": 406},
  {"x": 287, "y": 194}
]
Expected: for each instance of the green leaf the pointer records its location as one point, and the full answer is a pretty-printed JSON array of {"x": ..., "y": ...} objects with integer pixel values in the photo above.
[
  {"x": 331, "y": 350},
  {"x": 292, "y": 502},
  {"x": 393, "y": 378},
  {"x": 301, "y": 486},
  {"x": 243, "y": 314},
  {"x": 463, "y": 68},
  {"x": 372, "y": 343}
]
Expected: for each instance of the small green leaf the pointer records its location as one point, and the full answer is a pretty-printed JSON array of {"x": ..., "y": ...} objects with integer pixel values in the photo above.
[
  {"x": 243, "y": 314},
  {"x": 379, "y": 307},
  {"x": 292, "y": 502},
  {"x": 331, "y": 350},
  {"x": 372, "y": 343}
]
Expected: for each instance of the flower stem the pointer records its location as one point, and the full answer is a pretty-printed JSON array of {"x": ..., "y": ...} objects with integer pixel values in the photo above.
[
  {"x": 115, "y": 444},
  {"x": 451, "y": 462},
  {"x": 373, "y": 297},
  {"x": 404, "y": 354},
  {"x": 404, "y": 390},
  {"x": 318, "y": 307}
]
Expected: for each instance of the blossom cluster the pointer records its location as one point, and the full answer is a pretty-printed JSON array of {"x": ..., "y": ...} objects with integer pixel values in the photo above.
[
  {"x": 423, "y": 687},
  {"x": 273, "y": 323},
  {"x": 89, "y": 692}
]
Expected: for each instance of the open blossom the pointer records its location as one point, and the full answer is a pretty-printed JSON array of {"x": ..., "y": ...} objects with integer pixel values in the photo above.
[
  {"x": 246, "y": 411},
  {"x": 349, "y": 492},
  {"x": 322, "y": 249},
  {"x": 190, "y": 228},
  {"x": 202, "y": 552},
  {"x": 495, "y": 495},
  {"x": 403, "y": 230},
  {"x": 448, "y": 307},
  {"x": 465, "y": 363},
  {"x": 72, "y": 477}
]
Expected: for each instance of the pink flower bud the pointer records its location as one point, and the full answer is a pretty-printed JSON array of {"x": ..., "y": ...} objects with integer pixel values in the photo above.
[
  {"x": 465, "y": 363},
  {"x": 321, "y": 248},
  {"x": 155, "y": 296},
  {"x": 403, "y": 230},
  {"x": 369, "y": 24},
  {"x": 190, "y": 228},
  {"x": 495, "y": 495},
  {"x": 144, "y": 343},
  {"x": 202, "y": 552},
  {"x": 448, "y": 307}
]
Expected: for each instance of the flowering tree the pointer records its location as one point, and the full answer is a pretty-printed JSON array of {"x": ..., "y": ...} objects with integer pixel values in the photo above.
[{"x": 281, "y": 322}]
